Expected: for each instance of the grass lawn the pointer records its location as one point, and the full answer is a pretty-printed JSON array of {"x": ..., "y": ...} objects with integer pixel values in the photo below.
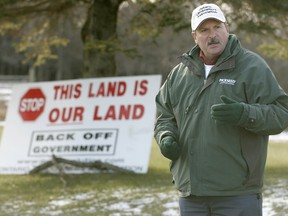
[{"x": 118, "y": 194}]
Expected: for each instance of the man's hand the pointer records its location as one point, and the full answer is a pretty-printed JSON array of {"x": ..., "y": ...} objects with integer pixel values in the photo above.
[
  {"x": 228, "y": 112},
  {"x": 170, "y": 148}
]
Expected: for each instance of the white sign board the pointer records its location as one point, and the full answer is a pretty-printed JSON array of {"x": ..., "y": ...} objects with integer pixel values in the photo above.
[{"x": 106, "y": 119}]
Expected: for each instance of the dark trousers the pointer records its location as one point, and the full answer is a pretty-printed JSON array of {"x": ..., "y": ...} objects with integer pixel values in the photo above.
[{"x": 244, "y": 205}]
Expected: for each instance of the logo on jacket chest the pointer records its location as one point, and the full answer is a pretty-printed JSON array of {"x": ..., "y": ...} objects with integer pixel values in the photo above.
[{"x": 227, "y": 82}]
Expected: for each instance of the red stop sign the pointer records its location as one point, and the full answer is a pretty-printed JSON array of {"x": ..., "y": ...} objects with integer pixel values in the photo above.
[{"x": 32, "y": 104}]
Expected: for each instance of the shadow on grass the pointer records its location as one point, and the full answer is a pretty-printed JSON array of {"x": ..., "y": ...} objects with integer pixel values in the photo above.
[{"x": 53, "y": 182}]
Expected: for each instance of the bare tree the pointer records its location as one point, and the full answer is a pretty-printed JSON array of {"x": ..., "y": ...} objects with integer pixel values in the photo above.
[
  {"x": 100, "y": 38},
  {"x": 99, "y": 25}
]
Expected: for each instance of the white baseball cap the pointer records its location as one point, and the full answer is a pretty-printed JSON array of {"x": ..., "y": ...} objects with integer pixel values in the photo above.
[{"x": 206, "y": 11}]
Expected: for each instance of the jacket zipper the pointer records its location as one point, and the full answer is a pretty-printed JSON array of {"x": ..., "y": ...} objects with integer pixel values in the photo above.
[{"x": 188, "y": 108}]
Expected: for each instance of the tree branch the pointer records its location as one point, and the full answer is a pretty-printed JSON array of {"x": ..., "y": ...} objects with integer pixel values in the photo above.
[
  {"x": 28, "y": 7},
  {"x": 92, "y": 165}
]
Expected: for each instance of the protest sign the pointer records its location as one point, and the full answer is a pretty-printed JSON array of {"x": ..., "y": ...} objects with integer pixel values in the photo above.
[{"x": 106, "y": 119}]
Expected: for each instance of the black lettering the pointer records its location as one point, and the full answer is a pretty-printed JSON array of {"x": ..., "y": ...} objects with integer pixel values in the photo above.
[
  {"x": 50, "y": 138},
  {"x": 88, "y": 136},
  {"x": 70, "y": 136},
  {"x": 36, "y": 149},
  {"x": 39, "y": 138},
  {"x": 67, "y": 148},
  {"x": 92, "y": 148},
  {"x": 74, "y": 148},
  {"x": 45, "y": 149},
  {"x": 83, "y": 148},
  {"x": 52, "y": 149},
  {"x": 107, "y": 135},
  {"x": 60, "y": 137}
]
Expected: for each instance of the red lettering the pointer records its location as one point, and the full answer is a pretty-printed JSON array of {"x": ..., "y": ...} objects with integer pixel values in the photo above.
[
  {"x": 110, "y": 89},
  {"x": 56, "y": 88},
  {"x": 135, "y": 87},
  {"x": 138, "y": 111},
  {"x": 78, "y": 114},
  {"x": 121, "y": 88},
  {"x": 67, "y": 91},
  {"x": 141, "y": 88},
  {"x": 77, "y": 92},
  {"x": 96, "y": 117},
  {"x": 123, "y": 112},
  {"x": 66, "y": 114},
  {"x": 54, "y": 115},
  {"x": 101, "y": 90},
  {"x": 110, "y": 113},
  {"x": 90, "y": 93}
]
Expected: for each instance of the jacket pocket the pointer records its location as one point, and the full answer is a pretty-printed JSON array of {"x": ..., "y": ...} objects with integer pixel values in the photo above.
[{"x": 254, "y": 151}]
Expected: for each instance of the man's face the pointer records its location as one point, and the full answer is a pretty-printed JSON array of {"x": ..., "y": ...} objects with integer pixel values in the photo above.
[{"x": 212, "y": 37}]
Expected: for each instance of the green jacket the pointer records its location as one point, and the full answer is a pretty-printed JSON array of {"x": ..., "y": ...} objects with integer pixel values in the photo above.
[{"x": 220, "y": 159}]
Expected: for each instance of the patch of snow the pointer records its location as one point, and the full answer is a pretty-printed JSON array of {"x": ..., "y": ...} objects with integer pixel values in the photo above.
[
  {"x": 60, "y": 202},
  {"x": 275, "y": 197},
  {"x": 170, "y": 212},
  {"x": 170, "y": 205},
  {"x": 136, "y": 202},
  {"x": 119, "y": 206},
  {"x": 279, "y": 137}
]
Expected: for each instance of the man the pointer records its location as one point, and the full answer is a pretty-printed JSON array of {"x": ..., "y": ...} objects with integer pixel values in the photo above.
[{"x": 215, "y": 113}]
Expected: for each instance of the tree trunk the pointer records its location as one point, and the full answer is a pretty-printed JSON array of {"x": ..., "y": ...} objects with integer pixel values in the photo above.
[{"x": 99, "y": 37}]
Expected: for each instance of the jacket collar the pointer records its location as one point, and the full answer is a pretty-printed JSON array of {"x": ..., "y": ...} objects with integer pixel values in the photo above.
[{"x": 226, "y": 60}]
